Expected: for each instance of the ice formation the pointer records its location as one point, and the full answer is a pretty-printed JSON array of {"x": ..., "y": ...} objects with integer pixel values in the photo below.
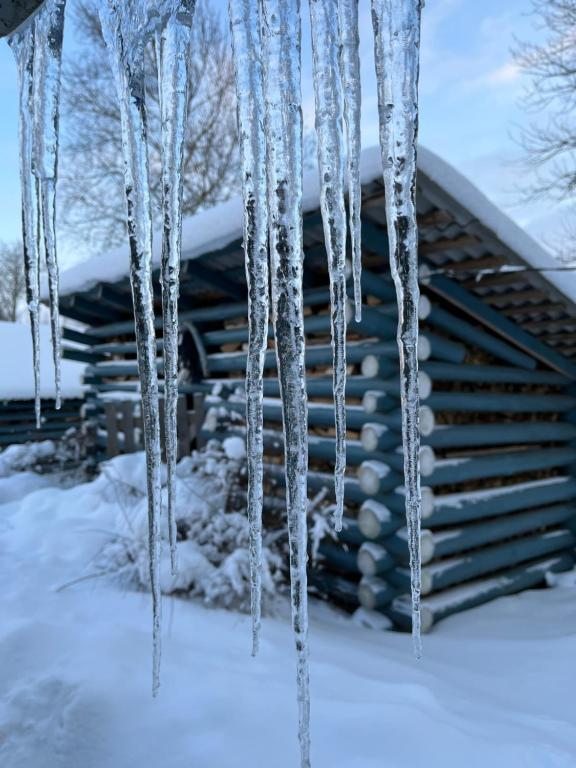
[
  {"x": 245, "y": 26},
  {"x": 396, "y": 53},
  {"x": 266, "y": 37}
]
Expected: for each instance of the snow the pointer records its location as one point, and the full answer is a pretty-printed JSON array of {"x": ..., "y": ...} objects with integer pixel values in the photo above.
[
  {"x": 217, "y": 227},
  {"x": 495, "y": 688},
  {"x": 17, "y": 379}
]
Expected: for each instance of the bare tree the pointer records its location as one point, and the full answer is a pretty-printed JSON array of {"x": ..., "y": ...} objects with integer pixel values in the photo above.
[
  {"x": 549, "y": 140},
  {"x": 91, "y": 191},
  {"x": 12, "y": 285}
]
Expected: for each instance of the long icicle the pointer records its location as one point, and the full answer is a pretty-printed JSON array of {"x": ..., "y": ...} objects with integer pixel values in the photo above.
[
  {"x": 396, "y": 50},
  {"x": 329, "y": 100},
  {"x": 282, "y": 71},
  {"x": 48, "y": 36},
  {"x": 172, "y": 55},
  {"x": 22, "y": 44},
  {"x": 245, "y": 22},
  {"x": 350, "y": 68},
  {"x": 124, "y": 29}
]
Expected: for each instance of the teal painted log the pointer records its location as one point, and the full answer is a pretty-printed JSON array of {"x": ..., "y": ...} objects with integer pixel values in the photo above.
[
  {"x": 453, "y": 540},
  {"x": 374, "y": 559},
  {"x": 322, "y": 415},
  {"x": 79, "y": 337},
  {"x": 375, "y": 285},
  {"x": 476, "y": 593},
  {"x": 80, "y": 355},
  {"x": 375, "y": 594},
  {"x": 121, "y": 348},
  {"x": 335, "y": 587},
  {"x": 374, "y": 435},
  {"x": 376, "y": 521},
  {"x": 486, "y": 402},
  {"x": 491, "y": 374},
  {"x": 471, "y": 334},
  {"x": 474, "y": 505},
  {"x": 446, "y": 573},
  {"x": 315, "y": 356},
  {"x": 353, "y": 494},
  {"x": 373, "y": 473},
  {"x": 118, "y": 369},
  {"x": 397, "y": 545},
  {"x": 500, "y": 465},
  {"x": 375, "y": 398},
  {"x": 376, "y": 365},
  {"x": 339, "y": 558},
  {"x": 323, "y": 386},
  {"x": 32, "y": 436},
  {"x": 478, "y": 435},
  {"x": 214, "y": 314},
  {"x": 475, "y": 307}
]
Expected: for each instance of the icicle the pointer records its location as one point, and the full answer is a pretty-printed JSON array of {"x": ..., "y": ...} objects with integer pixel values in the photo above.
[
  {"x": 396, "y": 49},
  {"x": 172, "y": 53},
  {"x": 125, "y": 27},
  {"x": 246, "y": 44},
  {"x": 22, "y": 44},
  {"x": 329, "y": 129},
  {"x": 48, "y": 28},
  {"x": 282, "y": 42},
  {"x": 350, "y": 69}
]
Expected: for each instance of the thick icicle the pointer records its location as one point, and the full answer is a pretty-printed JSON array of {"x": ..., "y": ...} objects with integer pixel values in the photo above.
[
  {"x": 246, "y": 43},
  {"x": 22, "y": 44},
  {"x": 350, "y": 68},
  {"x": 329, "y": 129},
  {"x": 48, "y": 27},
  {"x": 282, "y": 69},
  {"x": 172, "y": 55},
  {"x": 396, "y": 49},
  {"x": 125, "y": 26}
]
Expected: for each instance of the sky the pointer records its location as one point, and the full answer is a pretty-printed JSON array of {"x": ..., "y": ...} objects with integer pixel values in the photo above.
[{"x": 470, "y": 104}]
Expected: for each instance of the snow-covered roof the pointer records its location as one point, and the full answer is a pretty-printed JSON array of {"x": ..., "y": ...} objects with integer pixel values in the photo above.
[
  {"x": 17, "y": 377},
  {"x": 221, "y": 225}
]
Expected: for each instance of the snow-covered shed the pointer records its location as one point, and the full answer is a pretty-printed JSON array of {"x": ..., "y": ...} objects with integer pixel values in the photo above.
[
  {"x": 17, "y": 419},
  {"x": 498, "y": 364}
]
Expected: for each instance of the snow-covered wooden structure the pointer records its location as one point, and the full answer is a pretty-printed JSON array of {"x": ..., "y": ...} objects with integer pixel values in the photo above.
[
  {"x": 17, "y": 418},
  {"x": 498, "y": 365}
]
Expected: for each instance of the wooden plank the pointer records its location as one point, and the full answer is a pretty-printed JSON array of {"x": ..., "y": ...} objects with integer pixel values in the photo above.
[
  {"x": 182, "y": 428},
  {"x": 531, "y": 309},
  {"x": 445, "y": 244},
  {"x": 111, "y": 430},
  {"x": 127, "y": 408},
  {"x": 504, "y": 299}
]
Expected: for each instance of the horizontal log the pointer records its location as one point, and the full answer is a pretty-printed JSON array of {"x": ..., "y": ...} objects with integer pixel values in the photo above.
[
  {"x": 216, "y": 313},
  {"x": 375, "y": 435},
  {"x": 375, "y": 594},
  {"x": 491, "y": 374},
  {"x": 374, "y": 473},
  {"x": 340, "y": 558},
  {"x": 322, "y": 415},
  {"x": 376, "y": 365},
  {"x": 338, "y": 589},
  {"x": 374, "y": 559},
  {"x": 353, "y": 494},
  {"x": 323, "y": 386},
  {"x": 375, "y": 398},
  {"x": 479, "y": 592},
  {"x": 32, "y": 436},
  {"x": 486, "y": 402},
  {"x": 376, "y": 521},
  {"x": 471, "y": 334},
  {"x": 446, "y": 573},
  {"x": 478, "y": 435},
  {"x": 457, "y": 508},
  {"x": 320, "y": 355},
  {"x": 453, "y": 540},
  {"x": 449, "y": 471}
]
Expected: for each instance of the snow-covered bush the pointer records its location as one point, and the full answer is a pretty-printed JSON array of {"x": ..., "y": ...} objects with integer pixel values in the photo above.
[{"x": 213, "y": 562}]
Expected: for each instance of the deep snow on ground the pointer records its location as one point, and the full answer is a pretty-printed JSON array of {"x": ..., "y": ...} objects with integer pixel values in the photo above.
[{"x": 495, "y": 687}]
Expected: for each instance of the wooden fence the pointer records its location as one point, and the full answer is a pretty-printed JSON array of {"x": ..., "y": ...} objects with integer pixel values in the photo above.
[{"x": 123, "y": 425}]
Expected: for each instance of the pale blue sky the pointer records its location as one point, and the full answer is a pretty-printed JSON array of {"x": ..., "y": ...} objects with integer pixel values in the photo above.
[{"x": 469, "y": 95}]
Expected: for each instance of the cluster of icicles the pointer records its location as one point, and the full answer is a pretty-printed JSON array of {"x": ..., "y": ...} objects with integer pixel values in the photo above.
[{"x": 266, "y": 41}]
